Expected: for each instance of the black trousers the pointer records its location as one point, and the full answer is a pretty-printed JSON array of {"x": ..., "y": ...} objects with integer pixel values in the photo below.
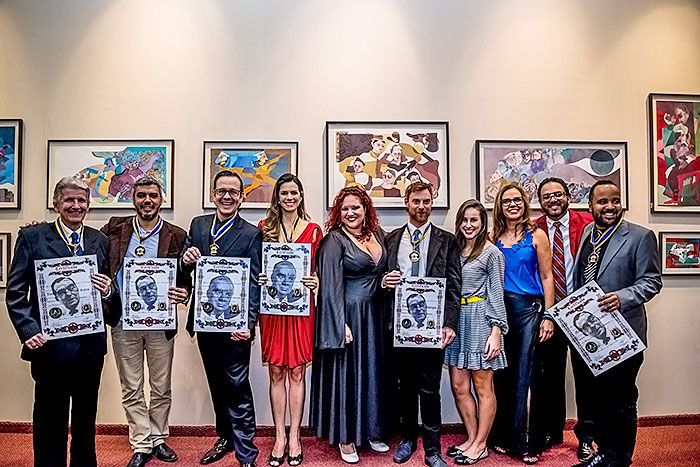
[
  {"x": 417, "y": 373},
  {"x": 226, "y": 364},
  {"x": 585, "y": 401},
  {"x": 612, "y": 398},
  {"x": 58, "y": 388}
]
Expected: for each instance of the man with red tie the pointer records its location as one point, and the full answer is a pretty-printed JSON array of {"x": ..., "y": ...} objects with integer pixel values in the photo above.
[{"x": 564, "y": 228}]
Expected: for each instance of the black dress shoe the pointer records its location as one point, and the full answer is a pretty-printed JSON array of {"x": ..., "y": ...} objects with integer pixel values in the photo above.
[
  {"x": 164, "y": 453},
  {"x": 248, "y": 464},
  {"x": 139, "y": 459},
  {"x": 452, "y": 451},
  {"x": 585, "y": 451},
  {"x": 404, "y": 451},
  {"x": 596, "y": 461},
  {"x": 221, "y": 447}
]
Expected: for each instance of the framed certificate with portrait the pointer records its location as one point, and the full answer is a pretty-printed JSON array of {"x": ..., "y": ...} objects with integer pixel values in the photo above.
[
  {"x": 145, "y": 299},
  {"x": 285, "y": 264},
  {"x": 221, "y": 294},
  {"x": 602, "y": 338},
  {"x": 69, "y": 305},
  {"x": 419, "y": 307}
]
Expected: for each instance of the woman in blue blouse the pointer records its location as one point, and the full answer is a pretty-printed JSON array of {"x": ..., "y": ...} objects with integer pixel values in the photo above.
[{"x": 528, "y": 291}]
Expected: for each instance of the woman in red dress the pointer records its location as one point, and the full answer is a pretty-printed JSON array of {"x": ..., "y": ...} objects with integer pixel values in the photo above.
[{"x": 287, "y": 341}]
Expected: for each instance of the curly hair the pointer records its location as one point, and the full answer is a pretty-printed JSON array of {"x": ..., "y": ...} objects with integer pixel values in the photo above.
[
  {"x": 370, "y": 224},
  {"x": 500, "y": 225}
]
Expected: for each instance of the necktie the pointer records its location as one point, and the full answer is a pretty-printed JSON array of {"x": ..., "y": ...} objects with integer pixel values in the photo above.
[
  {"x": 75, "y": 238},
  {"x": 415, "y": 267},
  {"x": 558, "y": 264},
  {"x": 589, "y": 270}
]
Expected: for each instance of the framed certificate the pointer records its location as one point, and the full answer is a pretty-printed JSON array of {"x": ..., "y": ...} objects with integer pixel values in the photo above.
[
  {"x": 145, "y": 296},
  {"x": 285, "y": 264},
  {"x": 419, "y": 306},
  {"x": 221, "y": 294},
  {"x": 602, "y": 338},
  {"x": 69, "y": 305}
]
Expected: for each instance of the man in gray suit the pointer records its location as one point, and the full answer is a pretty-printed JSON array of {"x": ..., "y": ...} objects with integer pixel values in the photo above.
[{"x": 623, "y": 259}]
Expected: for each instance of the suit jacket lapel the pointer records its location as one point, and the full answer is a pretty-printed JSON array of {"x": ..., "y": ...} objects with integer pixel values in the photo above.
[
  {"x": 616, "y": 241},
  {"x": 229, "y": 239},
  {"x": 165, "y": 237},
  {"x": 89, "y": 241},
  {"x": 436, "y": 239},
  {"x": 56, "y": 243},
  {"x": 124, "y": 239},
  {"x": 574, "y": 230},
  {"x": 392, "y": 248}
]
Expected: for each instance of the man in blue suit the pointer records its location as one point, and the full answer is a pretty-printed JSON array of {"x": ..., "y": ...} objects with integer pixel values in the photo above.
[
  {"x": 66, "y": 371},
  {"x": 623, "y": 259},
  {"x": 226, "y": 357}
]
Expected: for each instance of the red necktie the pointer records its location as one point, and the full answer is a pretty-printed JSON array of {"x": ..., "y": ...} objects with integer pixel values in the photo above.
[{"x": 558, "y": 264}]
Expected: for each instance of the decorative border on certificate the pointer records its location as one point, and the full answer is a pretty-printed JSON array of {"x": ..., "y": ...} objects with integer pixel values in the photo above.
[
  {"x": 69, "y": 305},
  {"x": 221, "y": 294},
  {"x": 285, "y": 264},
  {"x": 418, "y": 312},
  {"x": 145, "y": 299},
  {"x": 603, "y": 339}
]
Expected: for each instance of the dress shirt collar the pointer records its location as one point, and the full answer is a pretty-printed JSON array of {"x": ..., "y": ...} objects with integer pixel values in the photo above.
[{"x": 564, "y": 221}]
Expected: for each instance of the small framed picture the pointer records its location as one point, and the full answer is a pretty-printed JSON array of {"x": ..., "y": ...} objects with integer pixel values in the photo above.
[
  {"x": 259, "y": 163},
  {"x": 679, "y": 253},
  {"x": 10, "y": 164},
  {"x": 110, "y": 168},
  {"x": 5, "y": 249}
]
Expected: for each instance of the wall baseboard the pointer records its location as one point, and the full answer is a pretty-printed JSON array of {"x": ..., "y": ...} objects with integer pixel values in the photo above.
[{"x": 448, "y": 428}]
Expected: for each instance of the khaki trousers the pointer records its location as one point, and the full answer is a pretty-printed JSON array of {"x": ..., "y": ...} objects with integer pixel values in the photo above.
[{"x": 148, "y": 424}]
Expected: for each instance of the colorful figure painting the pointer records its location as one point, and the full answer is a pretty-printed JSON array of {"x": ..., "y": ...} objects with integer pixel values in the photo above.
[
  {"x": 259, "y": 165},
  {"x": 10, "y": 163},
  {"x": 680, "y": 252},
  {"x": 385, "y": 158},
  {"x": 110, "y": 168},
  {"x": 675, "y": 163},
  {"x": 579, "y": 164}
]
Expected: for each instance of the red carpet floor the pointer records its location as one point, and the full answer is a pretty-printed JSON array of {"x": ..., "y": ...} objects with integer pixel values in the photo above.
[{"x": 676, "y": 446}]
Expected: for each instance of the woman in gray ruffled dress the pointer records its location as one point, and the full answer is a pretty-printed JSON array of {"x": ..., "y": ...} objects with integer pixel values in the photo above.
[{"x": 478, "y": 348}]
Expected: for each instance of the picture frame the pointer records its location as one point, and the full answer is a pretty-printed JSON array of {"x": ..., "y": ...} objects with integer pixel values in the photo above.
[
  {"x": 259, "y": 163},
  {"x": 385, "y": 157},
  {"x": 110, "y": 167},
  {"x": 579, "y": 163},
  {"x": 5, "y": 252},
  {"x": 679, "y": 253},
  {"x": 11, "y": 145},
  {"x": 674, "y": 130}
]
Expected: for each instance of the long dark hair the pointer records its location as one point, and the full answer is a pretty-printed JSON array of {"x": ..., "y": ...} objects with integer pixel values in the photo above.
[
  {"x": 500, "y": 224},
  {"x": 370, "y": 223},
  {"x": 273, "y": 217},
  {"x": 481, "y": 237}
]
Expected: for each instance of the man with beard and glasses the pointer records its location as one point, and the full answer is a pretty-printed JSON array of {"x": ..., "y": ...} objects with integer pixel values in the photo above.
[
  {"x": 145, "y": 235},
  {"x": 564, "y": 227},
  {"x": 623, "y": 259},
  {"x": 420, "y": 249}
]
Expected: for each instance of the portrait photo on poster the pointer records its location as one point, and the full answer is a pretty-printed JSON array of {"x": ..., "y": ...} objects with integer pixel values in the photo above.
[
  {"x": 258, "y": 163},
  {"x": 69, "y": 305},
  {"x": 680, "y": 253},
  {"x": 385, "y": 157},
  {"x": 675, "y": 168},
  {"x": 110, "y": 168},
  {"x": 285, "y": 264},
  {"x": 579, "y": 163},
  {"x": 419, "y": 306},
  {"x": 145, "y": 293},
  {"x": 11, "y": 133},
  {"x": 221, "y": 294}
]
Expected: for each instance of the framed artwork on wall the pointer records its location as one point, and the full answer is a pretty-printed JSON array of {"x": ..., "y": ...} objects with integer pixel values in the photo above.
[
  {"x": 385, "y": 157},
  {"x": 675, "y": 166},
  {"x": 259, "y": 163},
  {"x": 110, "y": 168},
  {"x": 579, "y": 163},
  {"x": 11, "y": 164},
  {"x": 680, "y": 253},
  {"x": 5, "y": 248}
]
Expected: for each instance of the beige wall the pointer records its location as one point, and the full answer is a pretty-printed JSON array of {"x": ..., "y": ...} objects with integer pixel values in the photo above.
[{"x": 256, "y": 70}]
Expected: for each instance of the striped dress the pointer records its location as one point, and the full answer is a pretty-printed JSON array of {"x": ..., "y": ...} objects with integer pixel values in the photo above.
[{"x": 482, "y": 277}]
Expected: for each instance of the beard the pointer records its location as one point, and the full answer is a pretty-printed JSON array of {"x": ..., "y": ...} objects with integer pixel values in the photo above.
[{"x": 147, "y": 216}]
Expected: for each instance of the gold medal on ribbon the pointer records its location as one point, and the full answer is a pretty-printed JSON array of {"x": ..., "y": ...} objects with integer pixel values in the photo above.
[
  {"x": 414, "y": 256},
  {"x": 140, "y": 250},
  {"x": 213, "y": 249},
  {"x": 593, "y": 257}
]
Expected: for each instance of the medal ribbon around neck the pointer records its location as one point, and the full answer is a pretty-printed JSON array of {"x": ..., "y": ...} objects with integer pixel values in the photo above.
[
  {"x": 290, "y": 239},
  {"x": 215, "y": 236},
  {"x": 415, "y": 243},
  {"x": 138, "y": 230},
  {"x": 596, "y": 244},
  {"x": 61, "y": 228}
]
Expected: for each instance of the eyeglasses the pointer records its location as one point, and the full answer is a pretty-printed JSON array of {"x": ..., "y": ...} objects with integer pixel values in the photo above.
[
  {"x": 509, "y": 201},
  {"x": 221, "y": 192},
  {"x": 549, "y": 196}
]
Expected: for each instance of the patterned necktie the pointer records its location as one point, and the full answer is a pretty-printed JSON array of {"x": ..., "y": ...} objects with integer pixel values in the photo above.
[
  {"x": 559, "y": 264},
  {"x": 589, "y": 270},
  {"x": 415, "y": 267},
  {"x": 75, "y": 239}
]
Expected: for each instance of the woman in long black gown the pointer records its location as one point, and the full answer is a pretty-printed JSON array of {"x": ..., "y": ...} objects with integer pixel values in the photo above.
[{"x": 347, "y": 382}]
